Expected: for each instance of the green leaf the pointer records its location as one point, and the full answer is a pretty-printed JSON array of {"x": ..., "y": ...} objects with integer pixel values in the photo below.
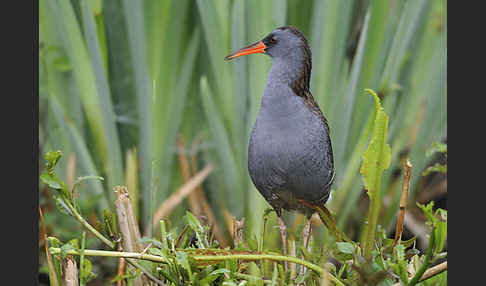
[
  {"x": 436, "y": 147},
  {"x": 155, "y": 251},
  {"x": 193, "y": 222},
  {"x": 345, "y": 247},
  {"x": 437, "y": 220},
  {"x": 435, "y": 168},
  {"x": 400, "y": 265},
  {"x": 52, "y": 157},
  {"x": 53, "y": 241},
  {"x": 51, "y": 181},
  {"x": 214, "y": 275},
  {"x": 343, "y": 251},
  {"x": 110, "y": 225},
  {"x": 146, "y": 240},
  {"x": 377, "y": 157},
  {"x": 85, "y": 271},
  {"x": 183, "y": 260}
]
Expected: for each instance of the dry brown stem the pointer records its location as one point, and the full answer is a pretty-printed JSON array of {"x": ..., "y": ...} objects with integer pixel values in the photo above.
[
  {"x": 176, "y": 198},
  {"x": 238, "y": 231},
  {"x": 121, "y": 270},
  {"x": 127, "y": 223},
  {"x": 52, "y": 271},
  {"x": 69, "y": 272},
  {"x": 194, "y": 203},
  {"x": 432, "y": 271},
  {"x": 403, "y": 201},
  {"x": 207, "y": 210}
]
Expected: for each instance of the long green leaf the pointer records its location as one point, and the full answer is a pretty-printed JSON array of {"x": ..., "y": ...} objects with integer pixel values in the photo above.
[{"x": 136, "y": 35}]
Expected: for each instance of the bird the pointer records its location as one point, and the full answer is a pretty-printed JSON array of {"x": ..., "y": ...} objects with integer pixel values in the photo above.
[{"x": 290, "y": 158}]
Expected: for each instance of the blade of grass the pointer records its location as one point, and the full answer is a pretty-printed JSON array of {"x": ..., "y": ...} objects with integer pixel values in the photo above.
[
  {"x": 82, "y": 152},
  {"x": 136, "y": 35},
  {"x": 114, "y": 162},
  {"x": 84, "y": 78}
]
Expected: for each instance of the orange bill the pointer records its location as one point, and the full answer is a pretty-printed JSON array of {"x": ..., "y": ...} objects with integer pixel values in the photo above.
[{"x": 258, "y": 47}]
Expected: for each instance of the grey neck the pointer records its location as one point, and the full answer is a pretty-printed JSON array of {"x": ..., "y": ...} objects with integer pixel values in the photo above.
[{"x": 292, "y": 70}]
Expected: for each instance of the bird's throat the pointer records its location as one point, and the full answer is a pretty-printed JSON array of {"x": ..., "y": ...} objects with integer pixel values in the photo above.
[{"x": 293, "y": 71}]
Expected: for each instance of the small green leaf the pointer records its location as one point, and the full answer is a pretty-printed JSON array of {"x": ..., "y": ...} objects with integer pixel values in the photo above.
[
  {"x": 53, "y": 241},
  {"x": 75, "y": 243},
  {"x": 109, "y": 226},
  {"x": 51, "y": 181},
  {"x": 436, "y": 147},
  {"x": 85, "y": 271},
  {"x": 155, "y": 251},
  {"x": 345, "y": 247},
  {"x": 408, "y": 243},
  {"x": 145, "y": 240},
  {"x": 437, "y": 220},
  {"x": 213, "y": 276},
  {"x": 52, "y": 158},
  {"x": 193, "y": 222},
  {"x": 435, "y": 168},
  {"x": 343, "y": 251}
]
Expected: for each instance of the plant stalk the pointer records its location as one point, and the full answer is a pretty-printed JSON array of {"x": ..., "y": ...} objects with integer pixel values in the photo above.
[
  {"x": 425, "y": 265},
  {"x": 79, "y": 218},
  {"x": 199, "y": 258}
]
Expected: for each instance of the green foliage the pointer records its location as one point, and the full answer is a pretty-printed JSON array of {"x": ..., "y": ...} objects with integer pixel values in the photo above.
[
  {"x": 436, "y": 147},
  {"x": 376, "y": 158},
  {"x": 119, "y": 76}
]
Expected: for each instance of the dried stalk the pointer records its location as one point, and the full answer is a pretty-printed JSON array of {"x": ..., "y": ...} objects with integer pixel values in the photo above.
[
  {"x": 222, "y": 256},
  {"x": 238, "y": 231},
  {"x": 403, "y": 201},
  {"x": 176, "y": 198},
  {"x": 431, "y": 272},
  {"x": 70, "y": 272},
  {"x": 52, "y": 271},
  {"x": 194, "y": 203},
  {"x": 293, "y": 266},
  {"x": 208, "y": 211},
  {"x": 121, "y": 269},
  {"x": 127, "y": 224}
]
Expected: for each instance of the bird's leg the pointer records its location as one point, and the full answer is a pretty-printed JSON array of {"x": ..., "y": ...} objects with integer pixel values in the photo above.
[
  {"x": 283, "y": 235},
  {"x": 305, "y": 238},
  {"x": 306, "y": 232}
]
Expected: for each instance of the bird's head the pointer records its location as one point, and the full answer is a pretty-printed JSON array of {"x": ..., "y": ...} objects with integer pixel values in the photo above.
[{"x": 281, "y": 42}]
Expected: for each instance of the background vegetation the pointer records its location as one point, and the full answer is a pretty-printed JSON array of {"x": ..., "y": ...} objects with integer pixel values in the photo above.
[{"x": 137, "y": 92}]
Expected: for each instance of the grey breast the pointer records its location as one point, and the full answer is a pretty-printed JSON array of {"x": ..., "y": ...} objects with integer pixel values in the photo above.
[{"x": 287, "y": 151}]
